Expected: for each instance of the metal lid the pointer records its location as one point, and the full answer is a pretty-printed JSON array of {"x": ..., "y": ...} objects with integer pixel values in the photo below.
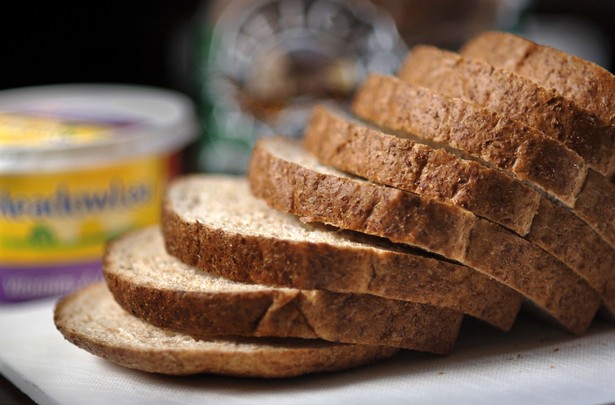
[{"x": 71, "y": 126}]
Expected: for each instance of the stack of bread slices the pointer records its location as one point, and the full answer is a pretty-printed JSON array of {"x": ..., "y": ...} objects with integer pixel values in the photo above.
[{"x": 471, "y": 184}]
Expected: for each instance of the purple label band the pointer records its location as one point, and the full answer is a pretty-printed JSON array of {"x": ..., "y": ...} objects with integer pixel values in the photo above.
[{"x": 27, "y": 283}]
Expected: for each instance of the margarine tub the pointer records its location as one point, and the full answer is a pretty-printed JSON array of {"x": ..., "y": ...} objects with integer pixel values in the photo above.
[{"x": 80, "y": 165}]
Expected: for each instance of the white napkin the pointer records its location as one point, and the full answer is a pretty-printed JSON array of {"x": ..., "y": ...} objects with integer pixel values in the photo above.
[{"x": 533, "y": 364}]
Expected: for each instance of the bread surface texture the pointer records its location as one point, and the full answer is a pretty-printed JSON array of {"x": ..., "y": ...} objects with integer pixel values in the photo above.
[
  {"x": 215, "y": 224},
  {"x": 588, "y": 84},
  {"x": 160, "y": 289},
  {"x": 595, "y": 204},
  {"x": 353, "y": 146},
  {"x": 399, "y": 162},
  {"x": 289, "y": 179},
  {"x": 475, "y": 131},
  {"x": 493, "y": 140},
  {"x": 92, "y": 320},
  {"x": 517, "y": 97}
]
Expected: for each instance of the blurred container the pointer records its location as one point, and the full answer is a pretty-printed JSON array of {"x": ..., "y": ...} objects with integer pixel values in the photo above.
[
  {"x": 79, "y": 165},
  {"x": 262, "y": 64}
]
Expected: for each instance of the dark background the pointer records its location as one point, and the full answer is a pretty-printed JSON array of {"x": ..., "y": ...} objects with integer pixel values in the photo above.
[
  {"x": 136, "y": 41},
  {"x": 90, "y": 41}
]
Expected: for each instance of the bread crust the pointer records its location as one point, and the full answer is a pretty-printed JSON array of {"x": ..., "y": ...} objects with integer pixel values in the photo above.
[
  {"x": 481, "y": 134},
  {"x": 80, "y": 319},
  {"x": 321, "y": 195},
  {"x": 419, "y": 168},
  {"x": 385, "y": 101},
  {"x": 135, "y": 264},
  {"x": 571, "y": 240},
  {"x": 596, "y": 205},
  {"x": 401, "y": 163},
  {"x": 516, "y": 96},
  {"x": 368, "y": 269},
  {"x": 589, "y": 85}
]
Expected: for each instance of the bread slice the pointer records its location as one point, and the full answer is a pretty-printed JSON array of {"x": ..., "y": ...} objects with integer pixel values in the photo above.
[
  {"x": 595, "y": 204},
  {"x": 93, "y": 321},
  {"x": 290, "y": 180},
  {"x": 158, "y": 288},
  {"x": 339, "y": 140},
  {"x": 568, "y": 238},
  {"x": 516, "y": 96},
  {"x": 214, "y": 223},
  {"x": 479, "y": 133},
  {"x": 398, "y": 162},
  {"x": 494, "y": 140},
  {"x": 587, "y": 84}
]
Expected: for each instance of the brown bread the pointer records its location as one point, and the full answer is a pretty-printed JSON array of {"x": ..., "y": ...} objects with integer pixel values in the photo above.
[
  {"x": 595, "y": 204},
  {"x": 290, "y": 180},
  {"x": 349, "y": 145},
  {"x": 587, "y": 84},
  {"x": 93, "y": 321},
  {"x": 449, "y": 122},
  {"x": 475, "y": 131},
  {"x": 516, "y": 96},
  {"x": 398, "y": 162},
  {"x": 572, "y": 241},
  {"x": 213, "y": 223},
  {"x": 151, "y": 284}
]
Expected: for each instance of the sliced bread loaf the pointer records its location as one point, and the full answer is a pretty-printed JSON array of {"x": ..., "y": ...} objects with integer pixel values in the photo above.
[
  {"x": 516, "y": 96},
  {"x": 494, "y": 140},
  {"x": 476, "y": 131},
  {"x": 588, "y": 84},
  {"x": 341, "y": 141},
  {"x": 93, "y": 321},
  {"x": 151, "y": 284},
  {"x": 289, "y": 179},
  {"x": 399, "y": 162},
  {"x": 214, "y": 223}
]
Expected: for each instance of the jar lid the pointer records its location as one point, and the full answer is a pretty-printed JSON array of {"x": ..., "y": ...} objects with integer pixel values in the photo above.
[{"x": 62, "y": 127}]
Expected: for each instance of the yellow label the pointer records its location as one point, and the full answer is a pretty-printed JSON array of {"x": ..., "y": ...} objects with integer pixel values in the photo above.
[{"x": 67, "y": 217}]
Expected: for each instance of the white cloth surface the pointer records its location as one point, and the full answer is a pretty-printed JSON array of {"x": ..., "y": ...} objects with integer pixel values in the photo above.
[{"x": 532, "y": 364}]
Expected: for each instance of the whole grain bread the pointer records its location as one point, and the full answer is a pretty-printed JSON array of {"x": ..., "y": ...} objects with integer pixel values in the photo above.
[
  {"x": 571, "y": 240},
  {"x": 289, "y": 179},
  {"x": 213, "y": 223},
  {"x": 476, "y": 131},
  {"x": 589, "y": 85},
  {"x": 516, "y": 96},
  {"x": 156, "y": 287},
  {"x": 595, "y": 204},
  {"x": 353, "y": 147},
  {"x": 411, "y": 111},
  {"x": 340, "y": 141},
  {"x": 93, "y": 321}
]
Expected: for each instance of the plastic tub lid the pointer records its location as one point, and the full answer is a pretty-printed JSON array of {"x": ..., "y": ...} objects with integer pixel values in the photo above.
[{"x": 62, "y": 127}]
